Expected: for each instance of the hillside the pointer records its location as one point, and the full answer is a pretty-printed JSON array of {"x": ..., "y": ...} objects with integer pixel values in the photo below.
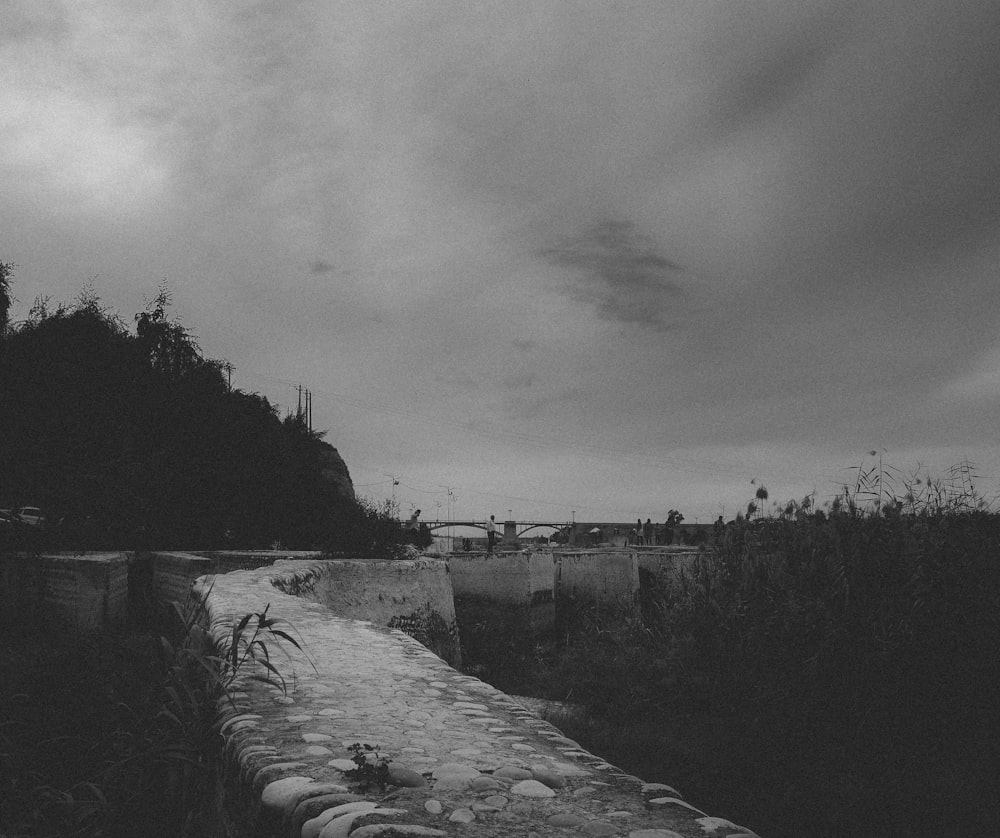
[{"x": 130, "y": 437}]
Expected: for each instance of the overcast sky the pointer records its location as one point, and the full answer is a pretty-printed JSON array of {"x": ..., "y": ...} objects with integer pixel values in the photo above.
[{"x": 597, "y": 257}]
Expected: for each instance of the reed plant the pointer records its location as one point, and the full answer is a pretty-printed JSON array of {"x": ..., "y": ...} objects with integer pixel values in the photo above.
[
  {"x": 822, "y": 672},
  {"x": 117, "y": 735}
]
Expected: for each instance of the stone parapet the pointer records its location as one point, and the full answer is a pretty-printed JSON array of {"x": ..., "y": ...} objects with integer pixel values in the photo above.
[
  {"x": 605, "y": 578},
  {"x": 414, "y": 595},
  {"x": 174, "y": 574},
  {"x": 522, "y": 580},
  {"x": 460, "y": 758},
  {"x": 86, "y": 593}
]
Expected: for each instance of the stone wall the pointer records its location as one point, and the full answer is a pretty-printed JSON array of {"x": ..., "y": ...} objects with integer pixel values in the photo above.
[
  {"x": 84, "y": 593},
  {"x": 173, "y": 574},
  {"x": 523, "y": 580},
  {"x": 605, "y": 578},
  {"x": 414, "y": 595},
  {"x": 463, "y": 758},
  {"x": 226, "y": 560}
]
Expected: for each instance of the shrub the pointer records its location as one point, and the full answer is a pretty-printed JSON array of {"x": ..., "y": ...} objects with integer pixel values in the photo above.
[{"x": 116, "y": 736}]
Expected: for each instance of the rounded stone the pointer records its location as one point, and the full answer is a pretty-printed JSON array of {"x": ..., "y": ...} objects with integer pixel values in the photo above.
[
  {"x": 599, "y": 829},
  {"x": 462, "y": 816},
  {"x": 657, "y": 788},
  {"x": 658, "y": 802},
  {"x": 512, "y": 772},
  {"x": 566, "y": 819},
  {"x": 236, "y": 722},
  {"x": 313, "y": 806},
  {"x": 342, "y": 764},
  {"x": 400, "y": 775},
  {"x": 434, "y": 806},
  {"x": 546, "y": 775},
  {"x": 485, "y": 783},
  {"x": 314, "y": 826},
  {"x": 316, "y": 737},
  {"x": 531, "y": 788},
  {"x": 270, "y": 773},
  {"x": 497, "y": 800},
  {"x": 340, "y": 826},
  {"x": 450, "y": 769},
  {"x": 452, "y": 782},
  {"x": 286, "y": 793}
]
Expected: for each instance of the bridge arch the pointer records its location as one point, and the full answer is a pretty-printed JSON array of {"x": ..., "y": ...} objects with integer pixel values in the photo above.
[
  {"x": 443, "y": 525},
  {"x": 552, "y": 527}
]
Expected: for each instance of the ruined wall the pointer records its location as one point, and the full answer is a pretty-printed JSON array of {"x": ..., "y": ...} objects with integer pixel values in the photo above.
[
  {"x": 414, "y": 595},
  {"x": 173, "y": 574},
  {"x": 606, "y": 578},
  {"x": 465, "y": 759},
  {"x": 524, "y": 580},
  {"x": 84, "y": 593}
]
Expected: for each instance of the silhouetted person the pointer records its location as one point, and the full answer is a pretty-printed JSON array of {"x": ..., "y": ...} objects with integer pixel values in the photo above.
[{"x": 491, "y": 534}]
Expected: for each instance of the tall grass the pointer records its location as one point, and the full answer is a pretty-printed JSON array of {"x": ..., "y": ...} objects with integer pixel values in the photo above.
[
  {"x": 116, "y": 736},
  {"x": 821, "y": 672}
]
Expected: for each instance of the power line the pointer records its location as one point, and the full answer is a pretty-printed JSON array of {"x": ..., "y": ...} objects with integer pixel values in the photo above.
[
  {"x": 684, "y": 464},
  {"x": 690, "y": 465}
]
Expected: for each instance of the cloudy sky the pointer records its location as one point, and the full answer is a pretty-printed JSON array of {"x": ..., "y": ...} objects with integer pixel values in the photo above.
[{"x": 608, "y": 258}]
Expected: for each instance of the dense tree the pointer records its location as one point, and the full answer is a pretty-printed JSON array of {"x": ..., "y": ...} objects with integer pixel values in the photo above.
[
  {"x": 5, "y": 296},
  {"x": 135, "y": 439}
]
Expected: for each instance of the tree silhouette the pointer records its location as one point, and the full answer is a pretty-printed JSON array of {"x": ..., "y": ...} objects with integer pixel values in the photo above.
[
  {"x": 136, "y": 440},
  {"x": 6, "y": 299}
]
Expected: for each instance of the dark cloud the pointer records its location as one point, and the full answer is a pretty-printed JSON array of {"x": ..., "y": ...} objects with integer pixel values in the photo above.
[
  {"x": 31, "y": 19},
  {"x": 519, "y": 381},
  {"x": 320, "y": 266},
  {"x": 620, "y": 273},
  {"x": 762, "y": 61},
  {"x": 542, "y": 402}
]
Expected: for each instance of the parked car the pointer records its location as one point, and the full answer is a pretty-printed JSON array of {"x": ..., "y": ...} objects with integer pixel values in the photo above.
[
  {"x": 31, "y": 515},
  {"x": 8, "y": 518}
]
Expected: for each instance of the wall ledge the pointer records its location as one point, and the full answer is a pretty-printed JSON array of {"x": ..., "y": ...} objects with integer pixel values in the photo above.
[{"x": 466, "y": 759}]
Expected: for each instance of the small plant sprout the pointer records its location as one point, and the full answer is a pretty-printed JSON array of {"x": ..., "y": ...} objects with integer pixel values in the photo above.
[{"x": 372, "y": 768}]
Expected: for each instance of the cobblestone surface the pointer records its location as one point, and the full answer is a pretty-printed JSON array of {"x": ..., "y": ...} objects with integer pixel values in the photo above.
[{"x": 465, "y": 758}]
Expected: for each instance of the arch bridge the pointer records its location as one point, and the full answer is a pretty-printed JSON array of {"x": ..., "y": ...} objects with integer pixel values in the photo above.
[{"x": 512, "y": 530}]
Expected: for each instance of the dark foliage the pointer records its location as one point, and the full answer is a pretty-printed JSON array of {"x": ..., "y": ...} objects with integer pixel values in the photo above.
[
  {"x": 824, "y": 674},
  {"x": 132, "y": 440},
  {"x": 116, "y": 735}
]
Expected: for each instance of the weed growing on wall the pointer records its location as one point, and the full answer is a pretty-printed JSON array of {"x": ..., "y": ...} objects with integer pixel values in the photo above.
[{"x": 371, "y": 768}]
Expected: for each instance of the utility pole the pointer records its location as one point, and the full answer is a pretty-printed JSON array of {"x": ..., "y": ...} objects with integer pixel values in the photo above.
[{"x": 451, "y": 500}]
